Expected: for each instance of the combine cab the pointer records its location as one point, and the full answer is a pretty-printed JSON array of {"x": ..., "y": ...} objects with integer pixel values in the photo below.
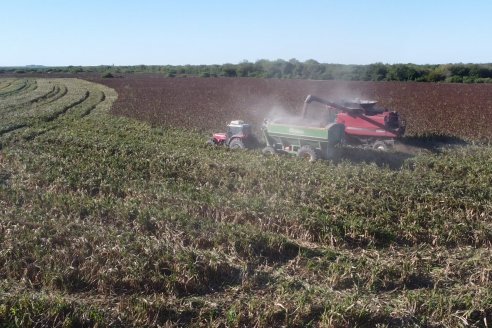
[{"x": 238, "y": 136}]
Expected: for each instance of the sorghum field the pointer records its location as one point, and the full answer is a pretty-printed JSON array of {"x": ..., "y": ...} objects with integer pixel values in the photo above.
[
  {"x": 458, "y": 110},
  {"x": 110, "y": 221}
]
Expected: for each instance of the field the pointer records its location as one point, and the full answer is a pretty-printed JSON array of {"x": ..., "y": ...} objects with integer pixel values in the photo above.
[
  {"x": 458, "y": 110},
  {"x": 106, "y": 220}
]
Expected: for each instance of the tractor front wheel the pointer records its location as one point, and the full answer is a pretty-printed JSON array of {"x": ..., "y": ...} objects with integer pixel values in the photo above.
[
  {"x": 307, "y": 152},
  {"x": 236, "y": 144}
]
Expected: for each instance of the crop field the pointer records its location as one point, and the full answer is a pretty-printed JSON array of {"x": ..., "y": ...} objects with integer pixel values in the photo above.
[
  {"x": 458, "y": 110},
  {"x": 110, "y": 221}
]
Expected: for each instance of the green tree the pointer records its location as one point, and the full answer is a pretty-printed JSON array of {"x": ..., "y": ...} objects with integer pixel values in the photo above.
[
  {"x": 245, "y": 68},
  {"x": 402, "y": 72},
  {"x": 312, "y": 69},
  {"x": 376, "y": 72},
  {"x": 229, "y": 70},
  {"x": 459, "y": 70}
]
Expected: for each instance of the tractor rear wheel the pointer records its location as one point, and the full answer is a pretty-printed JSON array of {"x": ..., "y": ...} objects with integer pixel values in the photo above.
[
  {"x": 269, "y": 151},
  {"x": 236, "y": 144},
  {"x": 307, "y": 152}
]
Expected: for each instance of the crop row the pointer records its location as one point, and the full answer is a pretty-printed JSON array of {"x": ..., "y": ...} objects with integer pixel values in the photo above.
[
  {"x": 20, "y": 86},
  {"x": 45, "y": 88}
]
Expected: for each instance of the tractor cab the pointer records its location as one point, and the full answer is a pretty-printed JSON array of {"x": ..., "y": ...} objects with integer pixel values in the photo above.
[{"x": 238, "y": 128}]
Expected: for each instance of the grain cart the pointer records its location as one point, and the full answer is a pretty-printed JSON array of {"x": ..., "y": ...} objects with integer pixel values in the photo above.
[
  {"x": 302, "y": 138},
  {"x": 364, "y": 124}
]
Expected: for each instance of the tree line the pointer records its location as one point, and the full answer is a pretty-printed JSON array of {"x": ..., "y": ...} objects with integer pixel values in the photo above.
[{"x": 291, "y": 69}]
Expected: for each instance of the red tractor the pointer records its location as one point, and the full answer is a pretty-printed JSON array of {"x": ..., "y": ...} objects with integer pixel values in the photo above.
[
  {"x": 364, "y": 124},
  {"x": 238, "y": 136}
]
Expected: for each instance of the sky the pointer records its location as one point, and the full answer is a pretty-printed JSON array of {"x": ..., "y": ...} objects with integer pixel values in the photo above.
[{"x": 151, "y": 32}]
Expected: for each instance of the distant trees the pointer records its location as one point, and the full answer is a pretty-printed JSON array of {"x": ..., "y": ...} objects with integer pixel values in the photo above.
[
  {"x": 293, "y": 69},
  {"x": 245, "y": 69},
  {"x": 376, "y": 72},
  {"x": 229, "y": 70}
]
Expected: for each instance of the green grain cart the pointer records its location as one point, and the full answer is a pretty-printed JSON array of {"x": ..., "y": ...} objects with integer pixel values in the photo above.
[{"x": 302, "y": 138}]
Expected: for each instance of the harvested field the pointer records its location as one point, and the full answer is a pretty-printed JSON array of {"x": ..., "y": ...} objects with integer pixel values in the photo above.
[
  {"x": 457, "y": 110},
  {"x": 108, "y": 221}
]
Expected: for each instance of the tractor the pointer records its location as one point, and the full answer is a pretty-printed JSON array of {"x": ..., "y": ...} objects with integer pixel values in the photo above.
[{"x": 238, "y": 136}]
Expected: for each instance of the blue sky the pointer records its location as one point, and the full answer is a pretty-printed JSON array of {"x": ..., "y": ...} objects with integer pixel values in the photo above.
[{"x": 105, "y": 32}]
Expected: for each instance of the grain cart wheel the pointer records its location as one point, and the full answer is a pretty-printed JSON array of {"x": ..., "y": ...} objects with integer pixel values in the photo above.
[
  {"x": 268, "y": 151},
  {"x": 307, "y": 152},
  {"x": 236, "y": 144},
  {"x": 380, "y": 145}
]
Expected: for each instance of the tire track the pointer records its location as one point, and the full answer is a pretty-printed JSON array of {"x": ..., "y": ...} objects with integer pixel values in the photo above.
[
  {"x": 86, "y": 112},
  {"x": 61, "y": 94},
  {"x": 91, "y": 108},
  {"x": 6, "y": 85},
  {"x": 45, "y": 119},
  {"x": 51, "y": 93},
  {"x": 10, "y": 92},
  {"x": 38, "y": 120}
]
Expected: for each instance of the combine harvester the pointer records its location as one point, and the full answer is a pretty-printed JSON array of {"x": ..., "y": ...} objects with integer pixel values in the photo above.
[{"x": 356, "y": 123}]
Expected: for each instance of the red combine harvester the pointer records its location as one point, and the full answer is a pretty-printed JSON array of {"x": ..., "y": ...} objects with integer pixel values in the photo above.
[
  {"x": 364, "y": 124},
  {"x": 238, "y": 136}
]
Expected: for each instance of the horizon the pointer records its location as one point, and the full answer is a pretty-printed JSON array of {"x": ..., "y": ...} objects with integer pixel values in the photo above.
[
  {"x": 271, "y": 60},
  {"x": 54, "y": 33}
]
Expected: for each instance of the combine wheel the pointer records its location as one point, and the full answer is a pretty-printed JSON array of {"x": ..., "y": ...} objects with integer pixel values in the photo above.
[
  {"x": 307, "y": 152},
  {"x": 269, "y": 151},
  {"x": 236, "y": 144},
  {"x": 380, "y": 145},
  {"x": 332, "y": 153},
  {"x": 211, "y": 142}
]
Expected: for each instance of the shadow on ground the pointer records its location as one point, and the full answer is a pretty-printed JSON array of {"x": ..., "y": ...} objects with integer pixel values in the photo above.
[
  {"x": 404, "y": 149},
  {"x": 433, "y": 143},
  {"x": 393, "y": 160}
]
